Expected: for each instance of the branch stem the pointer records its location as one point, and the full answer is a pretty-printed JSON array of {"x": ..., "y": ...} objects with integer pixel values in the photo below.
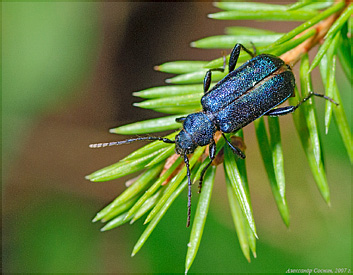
[{"x": 293, "y": 56}]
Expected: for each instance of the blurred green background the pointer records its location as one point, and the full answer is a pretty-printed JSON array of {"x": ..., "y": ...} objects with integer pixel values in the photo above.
[{"x": 68, "y": 70}]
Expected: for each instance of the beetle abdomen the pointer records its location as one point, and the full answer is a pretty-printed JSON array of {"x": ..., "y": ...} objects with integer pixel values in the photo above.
[
  {"x": 269, "y": 93},
  {"x": 240, "y": 81}
]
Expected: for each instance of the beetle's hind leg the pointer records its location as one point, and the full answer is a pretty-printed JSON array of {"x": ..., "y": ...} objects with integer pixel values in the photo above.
[
  {"x": 281, "y": 111},
  {"x": 290, "y": 109},
  {"x": 233, "y": 59},
  {"x": 311, "y": 93}
]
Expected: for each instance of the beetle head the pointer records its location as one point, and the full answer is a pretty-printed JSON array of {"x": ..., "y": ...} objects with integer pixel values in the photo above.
[{"x": 184, "y": 143}]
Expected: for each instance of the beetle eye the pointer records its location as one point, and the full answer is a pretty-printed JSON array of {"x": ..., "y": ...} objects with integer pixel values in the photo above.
[{"x": 184, "y": 143}]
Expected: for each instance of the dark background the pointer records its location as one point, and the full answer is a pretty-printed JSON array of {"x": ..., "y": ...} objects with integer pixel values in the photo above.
[{"x": 68, "y": 73}]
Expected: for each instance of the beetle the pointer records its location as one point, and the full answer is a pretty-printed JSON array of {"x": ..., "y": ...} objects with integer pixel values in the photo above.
[{"x": 254, "y": 89}]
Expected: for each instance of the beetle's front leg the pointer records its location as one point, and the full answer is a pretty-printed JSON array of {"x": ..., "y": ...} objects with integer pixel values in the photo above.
[
  {"x": 212, "y": 153},
  {"x": 235, "y": 55}
]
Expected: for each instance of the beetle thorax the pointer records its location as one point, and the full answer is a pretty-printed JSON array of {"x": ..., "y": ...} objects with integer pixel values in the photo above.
[{"x": 198, "y": 130}]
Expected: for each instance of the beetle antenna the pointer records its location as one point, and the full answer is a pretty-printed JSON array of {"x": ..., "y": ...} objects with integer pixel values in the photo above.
[
  {"x": 127, "y": 141},
  {"x": 186, "y": 160}
]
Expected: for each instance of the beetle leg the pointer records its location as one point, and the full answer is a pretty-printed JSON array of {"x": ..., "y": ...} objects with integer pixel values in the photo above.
[
  {"x": 253, "y": 49},
  {"x": 280, "y": 111},
  {"x": 207, "y": 79},
  {"x": 208, "y": 76},
  {"x": 212, "y": 149},
  {"x": 311, "y": 93},
  {"x": 290, "y": 109},
  {"x": 235, "y": 150},
  {"x": 180, "y": 119},
  {"x": 235, "y": 55},
  {"x": 224, "y": 61}
]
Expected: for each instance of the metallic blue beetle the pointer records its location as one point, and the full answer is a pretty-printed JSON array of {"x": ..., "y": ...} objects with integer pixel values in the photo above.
[{"x": 245, "y": 94}]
